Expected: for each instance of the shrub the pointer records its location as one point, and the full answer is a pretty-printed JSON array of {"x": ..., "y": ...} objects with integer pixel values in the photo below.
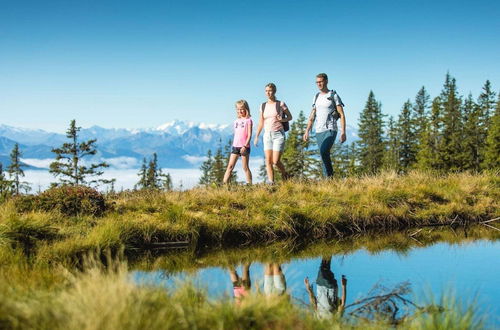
[{"x": 69, "y": 200}]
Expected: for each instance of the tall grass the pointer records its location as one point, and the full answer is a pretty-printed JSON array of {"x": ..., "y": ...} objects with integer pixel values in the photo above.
[
  {"x": 234, "y": 216},
  {"x": 105, "y": 298}
]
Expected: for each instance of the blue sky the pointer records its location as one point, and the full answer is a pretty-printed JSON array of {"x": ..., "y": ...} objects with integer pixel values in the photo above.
[{"x": 142, "y": 63}]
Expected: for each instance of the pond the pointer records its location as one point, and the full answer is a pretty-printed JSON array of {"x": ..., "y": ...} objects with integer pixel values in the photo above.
[{"x": 468, "y": 268}]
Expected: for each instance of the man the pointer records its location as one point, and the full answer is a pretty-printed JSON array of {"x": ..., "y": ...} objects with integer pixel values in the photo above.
[
  {"x": 327, "y": 301},
  {"x": 327, "y": 108}
]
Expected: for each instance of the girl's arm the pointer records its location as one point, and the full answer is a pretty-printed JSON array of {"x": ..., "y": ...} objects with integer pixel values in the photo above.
[
  {"x": 259, "y": 128},
  {"x": 249, "y": 133}
]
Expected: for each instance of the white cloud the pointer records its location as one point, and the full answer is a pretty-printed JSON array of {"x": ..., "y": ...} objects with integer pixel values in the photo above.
[
  {"x": 122, "y": 162},
  {"x": 194, "y": 159},
  {"x": 41, "y": 163}
]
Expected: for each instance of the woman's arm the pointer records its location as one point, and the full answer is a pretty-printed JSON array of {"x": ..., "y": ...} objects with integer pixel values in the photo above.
[
  {"x": 288, "y": 115},
  {"x": 259, "y": 128}
]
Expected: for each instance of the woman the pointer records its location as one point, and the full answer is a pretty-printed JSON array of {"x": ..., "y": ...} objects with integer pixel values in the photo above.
[{"x": 273, "y": 114}]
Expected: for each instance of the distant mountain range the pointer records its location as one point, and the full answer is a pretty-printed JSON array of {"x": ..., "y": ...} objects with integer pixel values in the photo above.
[{"x": 178, "y": 144}]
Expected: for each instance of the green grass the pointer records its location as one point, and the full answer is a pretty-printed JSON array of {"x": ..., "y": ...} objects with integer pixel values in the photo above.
[
  {"x": 105, "y": 298},
  {"x": 234, "y": 216}
]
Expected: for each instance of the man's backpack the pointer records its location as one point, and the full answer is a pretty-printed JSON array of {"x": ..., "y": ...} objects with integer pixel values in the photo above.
[
  {"x": 335, "y": 113},
  {"x": 286, "y": 124}
]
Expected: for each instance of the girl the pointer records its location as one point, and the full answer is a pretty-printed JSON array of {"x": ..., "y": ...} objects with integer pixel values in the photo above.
[
  {"x": 241, "y": 143},
  {"x": 273, "y": 114}
]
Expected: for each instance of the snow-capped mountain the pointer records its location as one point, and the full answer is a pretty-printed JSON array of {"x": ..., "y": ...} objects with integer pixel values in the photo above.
[{"x": 178, "y": 144}]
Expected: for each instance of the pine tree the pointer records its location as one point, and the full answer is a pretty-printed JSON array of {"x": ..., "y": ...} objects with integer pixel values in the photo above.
[
  {"x": 492, "y": 150},
  {"x": 151, "y": 176},
  {"x": 371, "y": 143},
  {"x": 297, "y": 156},
  {"x": 152, "y": 173},
  {"x": 472, "y": 140},
  {"x": 219, "y": 166},
  {"x": 15, "y": 170},
  {"x": 486, "y": 103},
  {"x": 263, "y": 170},
  {"x": 430, "y": 139},
  {"x": 407, "y": 138},
  {"x": 353, "y": 164},
  {"x": 165, "y": 181},
  {"x": 486, "y": 109},
  {"x": 392, "y": 152},
  {"x": 142, "y": 184},
  {"x": 451, "y": 151},
  {"x": 68, "y": 164},
  {"x": 5, "y": 184},
  {"x": 420, "y": 109},
  {"x": 206, "y": 170},
  {"x": 341, "y": 160}
]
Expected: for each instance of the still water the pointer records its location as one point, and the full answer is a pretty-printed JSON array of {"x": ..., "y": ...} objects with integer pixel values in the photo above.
[{"x": 471, "y": 269}]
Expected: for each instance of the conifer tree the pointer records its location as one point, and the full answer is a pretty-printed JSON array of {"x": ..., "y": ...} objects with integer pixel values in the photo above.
[
  {"x": 486, "y": 102},
  {"x": 492, "y": 150},
  {"x": 218, "y": 169},
  {"x": 451, "y": 151},
  {"x": 297, "y": 156},
  {"x": 206, "y": 170},
  {"x": 15, "y": 170},
  {"x": 68, "y": 164},
  {"x": 472, "y": 139},
  {"x": 342, "y": 160},
  {"x": 166, "y": 181},
  {"x": 352, "y": 167},
  {"x": 392, "y": 153},
  {"x": 142, "y": 175},
  {"x": 486, "y": 109},
  {"x": 371, "y": 143},
  {"x": 407, "y": 138},
  {"x": 430, "y": 139},
  {"x": 420, "y": 112},
  {"x": 5, "y": 184},
  {"x": 151, "y": 176}
]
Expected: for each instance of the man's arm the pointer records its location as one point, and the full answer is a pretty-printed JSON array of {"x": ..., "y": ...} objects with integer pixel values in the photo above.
[
  {"x": 310, "y": 122},
  {"x": 312, "y": 297},
  {"x": 340, "y": 110}
]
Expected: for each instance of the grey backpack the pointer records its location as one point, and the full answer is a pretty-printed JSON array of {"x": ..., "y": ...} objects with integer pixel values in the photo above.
[{"x": 335, "y": 113}]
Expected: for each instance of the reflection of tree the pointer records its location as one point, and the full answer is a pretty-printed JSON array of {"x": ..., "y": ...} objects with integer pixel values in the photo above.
[{"x": 385, "y": 303}]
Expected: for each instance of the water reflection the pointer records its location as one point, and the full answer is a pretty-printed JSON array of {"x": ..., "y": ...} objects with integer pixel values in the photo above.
[
  {"x": 466, "y": 265},
  {"x": 241, "y": 285},
  {"x": 326, "y": 301},
  {"x": 274, "y": 280}
]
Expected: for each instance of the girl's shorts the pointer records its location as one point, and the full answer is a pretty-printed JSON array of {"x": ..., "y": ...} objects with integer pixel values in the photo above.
[
  {"x": 237, "y": 151},
  {"x": 274, "y": 140}
]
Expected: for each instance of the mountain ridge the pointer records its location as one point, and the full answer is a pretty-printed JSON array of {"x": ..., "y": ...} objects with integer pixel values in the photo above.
[{"x": 178, "y": 143}]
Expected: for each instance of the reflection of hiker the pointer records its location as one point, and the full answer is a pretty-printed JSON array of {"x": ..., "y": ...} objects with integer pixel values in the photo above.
[
  {"x": 274, "y": 280},
  {"x": 327, "y": 300},
  {"x": 241, "y": 285},
  {"x": 241, "y": 143},
  {"x": 273, "y": 114},
  {"x": 327, "y": 108}
]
